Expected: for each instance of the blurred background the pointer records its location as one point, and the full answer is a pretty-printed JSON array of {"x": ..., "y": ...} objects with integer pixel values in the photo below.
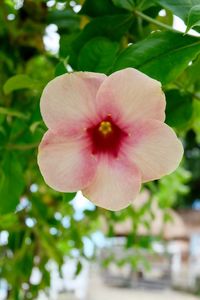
[{"x": 60, "y": 246}]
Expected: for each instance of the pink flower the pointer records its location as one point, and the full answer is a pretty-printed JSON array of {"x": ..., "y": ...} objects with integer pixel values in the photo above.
[{"x": 106, "y": 135}]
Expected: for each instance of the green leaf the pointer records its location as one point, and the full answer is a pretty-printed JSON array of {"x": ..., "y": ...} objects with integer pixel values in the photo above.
[
  {"x": 40, "y": 207},
  {"x": 126, "y": 4},
  {"x": 41, "y": 69},
  {"x": 192, "y": 74},
  {"x": 99, "y": 8},
  {"x": 196, "y": 123},
  {"x": 7, "y": 222},
  {"x": 189, "y": 79},
  {"x": 179, "y": 7},
  {"x": 144, "y": 4},
  {"x": 132, "y": 4},
  {"x": 66, "y": 20},
  {"x": 179, "y": 109},
  {"x": 168, "y": 19},
  {"x": 66, "y": 41},
  {"x": 193, "y": 17},
  {"x": 111, "y": 27},
  {"x": 18, "y": 82},
  {"x": 68, "y": 196},
  {"x": 60, "y": 69},
  {"x": 11, "y": 184},
  {"x": 98, "y": 55},
  {"x": 48, "y": 244},
  {"x": 163, "y": 55}
]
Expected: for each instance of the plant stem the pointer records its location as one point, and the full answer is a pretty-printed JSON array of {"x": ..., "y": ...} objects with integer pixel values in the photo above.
[
  {"x": 22, "y": 146},
  {"x": 153, "y": 21}
]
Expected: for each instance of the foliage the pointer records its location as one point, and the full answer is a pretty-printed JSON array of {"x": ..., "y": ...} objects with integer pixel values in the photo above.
[
  {"x": 104, "y": 36},
  {"x": 193, "y": 17}
]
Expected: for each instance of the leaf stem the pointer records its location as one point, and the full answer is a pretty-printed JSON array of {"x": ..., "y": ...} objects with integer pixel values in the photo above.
[
  {"x": 156, "y": 22},
  {"x": 22, "y": 146}
]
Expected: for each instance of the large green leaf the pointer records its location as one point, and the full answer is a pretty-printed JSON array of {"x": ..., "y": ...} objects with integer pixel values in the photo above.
[
  {"x": 193, "y": 17},
  {"x": 179, "y": 7},
  {"x": 11, "y": 184},
  {"x": 98, "y": 55},
  {"x": 179, "y": 108},
  {"x": 163, "y": 55},
  {"x": 112, "y": 27}
]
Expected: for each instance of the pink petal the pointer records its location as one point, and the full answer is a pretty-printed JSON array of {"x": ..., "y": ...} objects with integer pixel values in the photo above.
[
  {"x": 155, "y": 149},
  {"x": 66, "y": 164},
  {"x": 134, "y": 94},
  {"x": 69, "y": 98},
  {"x": 116, "y": 184}
]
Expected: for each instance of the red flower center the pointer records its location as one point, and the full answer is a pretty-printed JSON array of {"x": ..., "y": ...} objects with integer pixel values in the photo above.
[{"x": 106, "y": 137}]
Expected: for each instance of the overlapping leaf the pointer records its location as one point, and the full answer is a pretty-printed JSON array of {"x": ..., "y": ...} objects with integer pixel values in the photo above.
[{"x": 163, "y": 55}]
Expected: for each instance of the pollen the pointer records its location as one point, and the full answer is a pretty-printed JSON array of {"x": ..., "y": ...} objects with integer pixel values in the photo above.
[{"x": 105, "y": 127}]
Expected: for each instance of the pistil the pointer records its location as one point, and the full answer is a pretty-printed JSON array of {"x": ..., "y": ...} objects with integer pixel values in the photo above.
[{"x": 105, "y": 127}]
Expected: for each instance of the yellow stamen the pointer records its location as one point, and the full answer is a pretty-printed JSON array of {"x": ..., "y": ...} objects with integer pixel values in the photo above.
[{"x": 105, "y": 127}]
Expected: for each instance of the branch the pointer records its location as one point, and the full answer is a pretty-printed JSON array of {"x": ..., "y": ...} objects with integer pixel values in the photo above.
[{"x": 154, "y": 21}]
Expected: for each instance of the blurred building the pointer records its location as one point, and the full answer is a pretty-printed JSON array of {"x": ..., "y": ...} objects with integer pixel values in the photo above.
[
  {"x": 175, "y": 253},
  {"x": 187, "y": 275}
]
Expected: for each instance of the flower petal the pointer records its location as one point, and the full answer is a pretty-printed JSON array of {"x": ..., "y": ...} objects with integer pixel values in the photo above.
[
  {"x": 155, "y": 149},
  {"x": 134, "y": 94},
  {"x": 115, "y": 186},
  {"x": 69, "y": 98},
  {"x": 66, "y": 164}
]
